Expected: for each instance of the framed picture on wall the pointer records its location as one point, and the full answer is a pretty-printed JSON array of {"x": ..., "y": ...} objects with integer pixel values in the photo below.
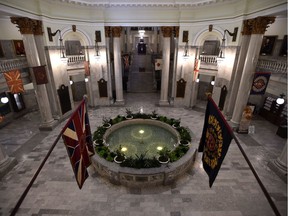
[
  {"x": 283, "y": 49},
  {"x": 19, "y": 47},
  {"x": 268, "y": 45}
]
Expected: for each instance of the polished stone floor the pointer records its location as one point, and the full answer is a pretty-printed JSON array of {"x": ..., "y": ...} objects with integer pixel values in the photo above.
[{"x": 55, "y": 192}]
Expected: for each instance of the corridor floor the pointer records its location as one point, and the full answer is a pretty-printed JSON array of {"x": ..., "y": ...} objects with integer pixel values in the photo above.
[{"x": 55, "y": 192}]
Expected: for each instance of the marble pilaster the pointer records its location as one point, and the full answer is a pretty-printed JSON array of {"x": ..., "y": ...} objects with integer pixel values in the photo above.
[
  {"x": 232, "y": 94},
  {"x": 26, "y": 27},
  {"x": 116, "y": 33},
  {"x": 259, "y": 26},
  {"x": 167, "y": 33},
  {"x": 109, "y": 73},
  {"x": 173, "y": 91}
]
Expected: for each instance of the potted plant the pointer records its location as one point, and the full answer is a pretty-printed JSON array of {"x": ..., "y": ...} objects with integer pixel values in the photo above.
[
  {"x": 154, "y": 115},
  {"x": 106, "y": 122},
  {"x": 184, "y": 142},
  {"x": 120, "y": 156},
  {"x": 164, "y": 155},
  {"x": 98, "y": 142},
  {"x": 128, "y": 114},
  {"x": 176, "y": 123}
]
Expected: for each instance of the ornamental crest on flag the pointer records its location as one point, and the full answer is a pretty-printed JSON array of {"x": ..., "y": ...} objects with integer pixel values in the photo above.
[{"x": 214, "y": 142}]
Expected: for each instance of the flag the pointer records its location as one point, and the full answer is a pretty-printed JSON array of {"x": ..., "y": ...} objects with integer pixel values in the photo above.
[
  {"x": 14, "y": 81},
  {"x": 215, "y": 140},
  {"x": 78, "y": 141},
  {"x": 86, "y": 68},
  {"x": 40, "y": 75},
  {"x": 196, "y": 68},
  {"x": 260, "y": 83},
  {"x": 158, "y": 64}
]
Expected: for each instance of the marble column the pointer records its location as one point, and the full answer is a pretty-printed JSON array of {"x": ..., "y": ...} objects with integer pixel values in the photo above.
[
  {"x": 232, "y": 94},
  {"x": 26, "y": 27},
  {"x": 109, "y": 72},
  {"x": 173, "y": 91},
  {"x": 259, "y": 26},
  {"x": 167, "y": 33},
  {"x": 51, "y": 90},
  {"x": 6, "y": 163},
  {"x": 279, "y": 165},
  {"x": 116, "y": 33}
]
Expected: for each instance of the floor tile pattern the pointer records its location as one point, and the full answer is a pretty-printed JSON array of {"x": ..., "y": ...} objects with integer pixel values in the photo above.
[{"x": 55, "y": 192}]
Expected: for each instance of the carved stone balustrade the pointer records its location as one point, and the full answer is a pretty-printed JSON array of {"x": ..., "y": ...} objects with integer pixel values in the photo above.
[{"x": 12, "y": 64}]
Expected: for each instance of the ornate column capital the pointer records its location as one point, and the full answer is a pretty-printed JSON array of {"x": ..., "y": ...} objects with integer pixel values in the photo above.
[
  {"x": 25, "y": 25},
  {"x": 116, "y": 31},
  {"x": 247, "y": 28},
  {"x": 167, "y": 31},
  {"x": 260, "y": 24},
  {"x": 38, "y": 27},
  {"x": 176, "y": 30},
  {"x": 107, "y": 31}
]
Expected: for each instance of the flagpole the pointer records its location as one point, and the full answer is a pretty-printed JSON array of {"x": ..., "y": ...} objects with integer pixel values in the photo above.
[
  {"x": 268, "y": 197},
  {"x": 17, "y": 206}
]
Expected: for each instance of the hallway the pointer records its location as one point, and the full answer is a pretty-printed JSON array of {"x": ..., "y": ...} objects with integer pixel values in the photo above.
[{"x": 55, "y": 192}]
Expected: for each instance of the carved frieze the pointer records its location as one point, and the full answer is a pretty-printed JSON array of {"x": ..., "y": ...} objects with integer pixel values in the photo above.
[
  {"x": 247, "y": 27},
  {"x": 38, "y": 30}
]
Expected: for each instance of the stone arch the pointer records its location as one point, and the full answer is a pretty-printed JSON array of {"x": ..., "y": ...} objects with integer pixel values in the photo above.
[
  {"x": 81, "y": 35},
  {"x": 201, "y": 36}
]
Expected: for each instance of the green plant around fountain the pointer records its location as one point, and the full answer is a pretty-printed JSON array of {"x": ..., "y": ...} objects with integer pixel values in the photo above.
[{"x": 141, "y": 161}]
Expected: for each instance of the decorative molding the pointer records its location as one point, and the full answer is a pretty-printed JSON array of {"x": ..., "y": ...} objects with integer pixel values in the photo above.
[
  {"x": 25, "y": 25},
  {"x": 108, "y": 31},
  {"x": 116, "y": 31},
  {"x": 247, "y": 28},
  {"x": 260, "y": 24},
  {"x": 38, "y": 30},
  {"x": 167, "y": 31},
  {"x": 146, "y": 3}
]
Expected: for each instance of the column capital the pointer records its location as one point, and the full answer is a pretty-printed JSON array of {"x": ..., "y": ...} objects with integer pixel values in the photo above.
[
  {"x": 247, "y": 27},
  {"x": 116, "y": 31},
  {"x": 260, "y": 24},
  {"x": 38, "y": 30},
  {"x": 167, "y": 31},
  {"x": 107, "y": 31},
  {"x": 25, "y": 24},
  {"x": 176, "y": 30}
]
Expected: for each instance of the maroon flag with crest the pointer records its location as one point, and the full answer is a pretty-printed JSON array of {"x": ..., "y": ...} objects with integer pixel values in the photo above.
[{"x": 78, "y": 141}]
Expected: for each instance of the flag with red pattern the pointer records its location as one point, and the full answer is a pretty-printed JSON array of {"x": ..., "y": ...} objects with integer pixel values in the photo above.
[
  {"x": 14, "y": 81},
  {"x": 78, "y": 141},
  {"x": 196, "y": 68}
]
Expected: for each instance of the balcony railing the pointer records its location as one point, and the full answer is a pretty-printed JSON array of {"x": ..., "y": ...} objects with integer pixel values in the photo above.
[
  {"x": 12, "y": 64},
  {"x": 209, "y": 59},
  {"x": 274, "y": 66},
  {"x": 74, "y": 59}
]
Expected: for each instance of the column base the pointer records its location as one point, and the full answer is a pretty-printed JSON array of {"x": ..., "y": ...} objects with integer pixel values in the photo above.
[
  {"x": 164, "y": 103},
  {"x": 119, "y": 103},
  {"x": 233, "y": 125},
  {"x": 48, "y": 126},
  {"x": 279, "y": 168},
  {"x": 6, "y": 165}
]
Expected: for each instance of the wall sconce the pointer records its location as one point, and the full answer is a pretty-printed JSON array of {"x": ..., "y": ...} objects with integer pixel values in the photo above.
[
  {"x": 86, "y": 79},
  {"x": 198, "y": 79},
  {"x": 280, "y": 100},
  {"x": 222, "y": 47},
  {"x": 71, "y": 82},
  {"x": 51, "y": 35},
  {"x": 141, "y": 33},
  {"x": 97, "y": 39},
  {"x": 186, "y": 54}
]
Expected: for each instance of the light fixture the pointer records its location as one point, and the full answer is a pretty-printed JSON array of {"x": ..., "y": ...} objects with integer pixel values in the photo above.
[
  {"x": 71, "y": 82},
  {"x": 222, "y": 47},
  {"x": 141, "y": 33},
  {"x": 213, "y": 81},
  {"x": 4, "y": 100},
  {"x": 159, "y": 148},
  {"x": 51, "y": 35},
  {"x": 198, "y": 79},
  {"x": 186, "y": 54},
  {"x": 86, "y": 79},
  {"x": 280, "y": 100}
]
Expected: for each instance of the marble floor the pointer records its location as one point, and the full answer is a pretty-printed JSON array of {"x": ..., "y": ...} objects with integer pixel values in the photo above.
[{"x": 55, "y": 192}]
